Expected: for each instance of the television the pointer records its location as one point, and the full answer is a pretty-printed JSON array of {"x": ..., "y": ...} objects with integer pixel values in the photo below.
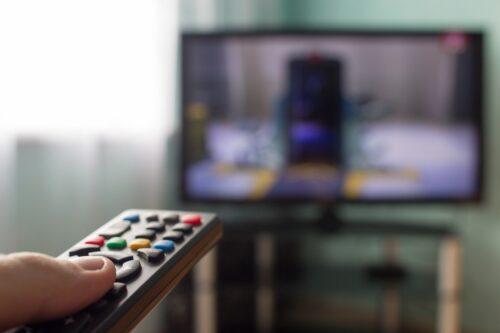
[{"x": 332, "y": 116}]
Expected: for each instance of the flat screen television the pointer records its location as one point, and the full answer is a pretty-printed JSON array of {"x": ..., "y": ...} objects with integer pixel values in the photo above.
[{"x": 332, "y": 116}]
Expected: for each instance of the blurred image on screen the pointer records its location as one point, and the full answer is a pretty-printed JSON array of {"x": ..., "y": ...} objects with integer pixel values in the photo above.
[{"x": 319, "y": 117}]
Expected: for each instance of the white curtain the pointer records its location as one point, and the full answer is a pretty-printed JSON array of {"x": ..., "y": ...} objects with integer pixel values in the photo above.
[
  {"x": 87, "y": 92},
  {"x": 86, "y": 103}
]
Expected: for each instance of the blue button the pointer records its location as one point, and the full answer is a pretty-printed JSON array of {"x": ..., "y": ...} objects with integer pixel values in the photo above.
[
  {"x": 165, "y": 245},
  {"x": 132, "y": 218}
]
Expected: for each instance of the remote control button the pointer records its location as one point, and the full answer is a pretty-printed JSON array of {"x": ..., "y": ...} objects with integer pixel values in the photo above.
[
  {"x": 148, "y": 234},
  {"x": 171, "y": 218},
  {"x": 183, "y": 227},
  {"x": 97, "y": 240},
  {"x": 116, "y": 291},
  {"x": 115, "y": 229},
  {"x": 194, "y": 220},
  {"x": 115, "y": 257},
  {"x": 132, "y": 218},
  {"x": 151, "y": 255},
  {"x": 83, "y": 250},
  {"x": 139, "y": 243},
  {"x": 165, "y": 245},
  {"x": 116, "y": 243},
  {"x": 175, "y": 236},
  {"x": 152, "y": 218},
  {"x": 156, "y": 226},
  {"x": 97, "y": 306},
  {"x": 129, "y": 270}
]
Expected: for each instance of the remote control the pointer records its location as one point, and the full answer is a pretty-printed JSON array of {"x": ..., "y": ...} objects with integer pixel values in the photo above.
[{"x": 152, "y": 251}]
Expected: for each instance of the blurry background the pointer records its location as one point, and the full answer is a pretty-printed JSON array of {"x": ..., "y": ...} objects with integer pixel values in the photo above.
[{"x": 88, "y": 128}]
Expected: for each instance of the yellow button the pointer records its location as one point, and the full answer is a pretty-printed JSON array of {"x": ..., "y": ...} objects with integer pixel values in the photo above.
[{"x": 139, "y": 243}]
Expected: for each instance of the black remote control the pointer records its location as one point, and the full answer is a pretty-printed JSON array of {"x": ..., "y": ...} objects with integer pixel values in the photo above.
[{"x": 152, "y": 251}]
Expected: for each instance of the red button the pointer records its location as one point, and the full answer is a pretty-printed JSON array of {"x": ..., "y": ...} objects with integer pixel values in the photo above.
[
  {"x": 194, "y": 220},
  {"x": 97, "y": 240}
]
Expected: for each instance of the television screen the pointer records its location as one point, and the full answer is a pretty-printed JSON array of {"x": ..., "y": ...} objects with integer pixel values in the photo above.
[{"x": 331, "y": 116}]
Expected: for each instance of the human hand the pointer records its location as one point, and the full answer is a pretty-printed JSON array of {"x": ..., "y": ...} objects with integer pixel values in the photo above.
[{"x": 35, "y": 287}]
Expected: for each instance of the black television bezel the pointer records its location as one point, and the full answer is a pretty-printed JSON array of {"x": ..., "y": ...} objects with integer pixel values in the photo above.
[{"x": 478, "y": 35}]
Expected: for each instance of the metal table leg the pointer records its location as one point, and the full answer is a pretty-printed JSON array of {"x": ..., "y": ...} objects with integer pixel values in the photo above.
[{"x": 449, "y": 286}]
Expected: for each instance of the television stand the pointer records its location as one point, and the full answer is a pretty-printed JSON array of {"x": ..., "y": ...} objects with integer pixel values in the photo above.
[
  {"x": 388, "y": 272},
  {"x": 329, "y": 220}
]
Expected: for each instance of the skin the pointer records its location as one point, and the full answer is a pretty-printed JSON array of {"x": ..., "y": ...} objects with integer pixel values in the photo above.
[{"x": 36, "y": 288}]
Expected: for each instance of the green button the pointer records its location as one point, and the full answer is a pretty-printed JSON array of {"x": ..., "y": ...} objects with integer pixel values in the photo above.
[{"x": 116, "y": 243}]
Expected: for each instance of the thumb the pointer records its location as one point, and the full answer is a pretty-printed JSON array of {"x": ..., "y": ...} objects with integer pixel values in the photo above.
[{"x": 36, "y": 287}]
